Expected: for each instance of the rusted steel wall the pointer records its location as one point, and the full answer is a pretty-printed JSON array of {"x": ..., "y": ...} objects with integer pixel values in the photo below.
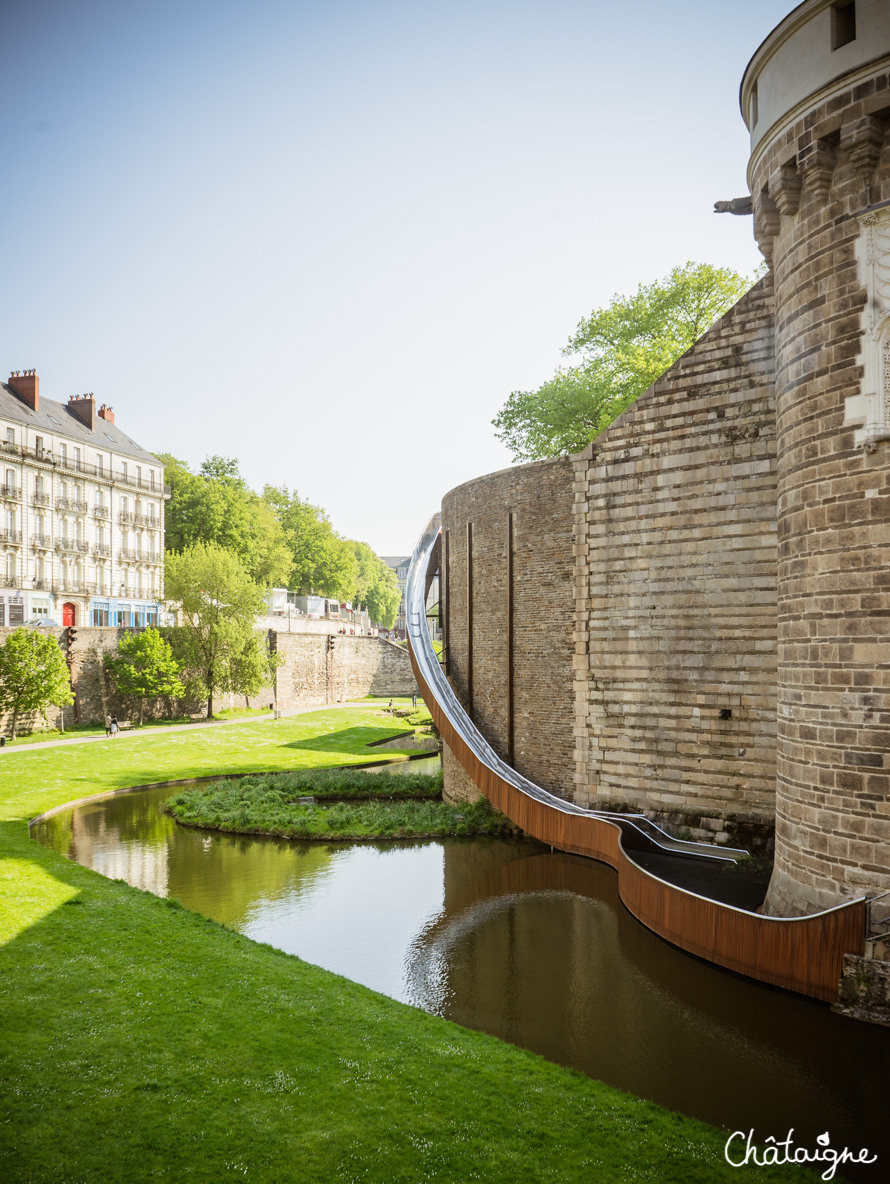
[{"x": 803, "y": 954}]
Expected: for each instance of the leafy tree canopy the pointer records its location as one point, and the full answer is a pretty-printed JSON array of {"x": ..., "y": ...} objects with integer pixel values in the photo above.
[
  {"x": 33, "y": 674},
  {"x": 322, "y": 561},
  {"x": 376, "y": 586},
  {"x": 144, "y": 667},
  {"x": 218, "y": 604},
  {"x": 215, "y": 505},
  {"x": 620, "y": 350}
]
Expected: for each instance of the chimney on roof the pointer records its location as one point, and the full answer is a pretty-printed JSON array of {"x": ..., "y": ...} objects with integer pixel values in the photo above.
[
  {"x": 84, "y": 407},
  {"x": 26, "y": 385},
  {"x": 106, "y": 413}
]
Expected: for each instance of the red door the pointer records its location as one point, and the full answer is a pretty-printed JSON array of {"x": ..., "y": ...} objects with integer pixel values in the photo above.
[{"x": 69, "y": 611}]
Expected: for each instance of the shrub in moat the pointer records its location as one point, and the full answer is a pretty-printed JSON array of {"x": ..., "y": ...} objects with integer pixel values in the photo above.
[{"x": 271, "y": 805}]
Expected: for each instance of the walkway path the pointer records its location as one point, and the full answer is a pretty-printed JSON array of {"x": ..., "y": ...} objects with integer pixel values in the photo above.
[{"x": 213, "y": 723}]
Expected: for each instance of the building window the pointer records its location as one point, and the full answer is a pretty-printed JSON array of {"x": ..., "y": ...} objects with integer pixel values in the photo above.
[
  {"x": 38, "y": 445},
  {"x": 124, "y": 470},
  {"x": 16, "y": 614},
  {"x": 63, "y": 454},
  {"x": 843, "y": 24},
  {"x": 100, "y": 471},
  {"x": 10, "y": 437},
  {"x": 77, "y": 458}
]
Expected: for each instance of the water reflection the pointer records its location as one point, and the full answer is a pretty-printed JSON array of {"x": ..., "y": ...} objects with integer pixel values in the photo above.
[{"x": 529, "y": 945}]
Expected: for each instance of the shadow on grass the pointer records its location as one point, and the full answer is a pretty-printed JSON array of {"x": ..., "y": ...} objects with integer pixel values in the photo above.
[{"x": 351, "y": 740}]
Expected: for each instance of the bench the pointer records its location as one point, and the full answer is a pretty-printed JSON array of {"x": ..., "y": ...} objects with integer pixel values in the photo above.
[
  {"x": 124, "y": 725},
  {"x": 200, "y": 718}
]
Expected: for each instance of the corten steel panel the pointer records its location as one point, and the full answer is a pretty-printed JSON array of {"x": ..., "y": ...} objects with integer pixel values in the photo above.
[{"x": 803, "y": 954}]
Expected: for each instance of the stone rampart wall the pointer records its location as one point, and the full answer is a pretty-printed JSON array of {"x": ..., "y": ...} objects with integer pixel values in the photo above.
[
  {"x": 311, "y": 674},
  {"x": 675, "y": 581},
  {"x": 539, "y": 496}
]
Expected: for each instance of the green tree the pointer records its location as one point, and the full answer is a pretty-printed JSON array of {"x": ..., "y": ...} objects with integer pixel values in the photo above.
[
  {"x": 144, "y": 668},
  {"x": 33, "y": 674},
  {"x": 254, "y": 668},
  {"x": 218, "y": 604},
  {"x": 217, "y": 506},
  {"x": 322, "y": 561},
  {"x": 621, "y": 350},
  {"x": 376, "y": 587}
]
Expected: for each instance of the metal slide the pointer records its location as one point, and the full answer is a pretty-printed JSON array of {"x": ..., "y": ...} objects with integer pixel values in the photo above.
[{"x": 638, "y": 832}]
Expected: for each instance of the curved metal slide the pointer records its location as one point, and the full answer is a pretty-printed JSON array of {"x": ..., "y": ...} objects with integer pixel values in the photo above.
[{"x": 803, "y": 954}]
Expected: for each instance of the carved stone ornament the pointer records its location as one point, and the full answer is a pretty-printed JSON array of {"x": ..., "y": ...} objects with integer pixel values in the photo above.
[
  {"x": 816, "y": 164},
  {"x": 784, "y": 188},
  {"x": 766, "y": 225},
  {"x": 869, "y": 411}
]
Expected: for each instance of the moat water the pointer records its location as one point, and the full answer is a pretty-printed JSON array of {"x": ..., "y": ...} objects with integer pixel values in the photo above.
[{"x": 529, "y": 945}]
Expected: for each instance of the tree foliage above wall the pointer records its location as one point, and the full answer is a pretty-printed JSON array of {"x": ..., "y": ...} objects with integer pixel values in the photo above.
[
  {"x": 620, "y": 350},
  {"x": 281, "y": 539}
]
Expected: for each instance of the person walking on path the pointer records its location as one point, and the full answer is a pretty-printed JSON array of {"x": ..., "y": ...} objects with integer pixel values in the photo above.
[
  {"x": 107, "y": 725},
  {"x": 114, "y": 725}
]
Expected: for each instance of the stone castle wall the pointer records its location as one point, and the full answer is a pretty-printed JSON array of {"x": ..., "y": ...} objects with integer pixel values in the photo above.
[
  {"x": 311, "y": 674},
  {"x": 539, "y": 497},
  {"x": 814, "y": 175},
  {"x": 675, "y": 543}
]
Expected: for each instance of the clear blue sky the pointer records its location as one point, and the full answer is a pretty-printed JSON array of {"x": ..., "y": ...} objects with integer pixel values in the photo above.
[{"x": 330, "y": 238}]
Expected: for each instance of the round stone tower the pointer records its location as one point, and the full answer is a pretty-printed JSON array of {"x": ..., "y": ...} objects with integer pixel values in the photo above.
[{"x": 816, "y": 98}]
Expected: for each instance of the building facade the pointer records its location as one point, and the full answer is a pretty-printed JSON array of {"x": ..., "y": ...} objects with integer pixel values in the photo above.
[
  {"x": 82, "y": 528},
  {"x": 400, "y": 565}
]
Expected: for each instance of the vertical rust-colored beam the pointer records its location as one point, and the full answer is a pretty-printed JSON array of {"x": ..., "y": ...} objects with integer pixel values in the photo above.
[
  {"x": 470, "y": 619},
  {"x": 445, "y": 600},
  {"x": 510, "y": 745}
]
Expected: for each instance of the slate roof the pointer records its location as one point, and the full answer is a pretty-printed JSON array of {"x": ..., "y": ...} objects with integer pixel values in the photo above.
[{"x": 104, "y": 435}]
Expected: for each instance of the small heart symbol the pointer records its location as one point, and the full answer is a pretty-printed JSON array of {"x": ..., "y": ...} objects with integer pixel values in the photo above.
[{"x": 823, "y": 1140}]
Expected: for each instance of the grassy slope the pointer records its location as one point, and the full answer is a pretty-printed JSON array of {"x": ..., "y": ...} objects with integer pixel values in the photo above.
[{"x": 139, "y": 1041}]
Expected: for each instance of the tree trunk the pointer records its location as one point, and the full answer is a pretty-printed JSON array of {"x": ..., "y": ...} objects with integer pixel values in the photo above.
[
  {"x": 210, "y": 705},
  {"x": 15, "y": 720},
  {"x": 141, "y": 711}
]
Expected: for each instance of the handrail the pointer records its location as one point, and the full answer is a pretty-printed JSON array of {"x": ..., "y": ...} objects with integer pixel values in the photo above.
[{"x": 803, "y": 954}]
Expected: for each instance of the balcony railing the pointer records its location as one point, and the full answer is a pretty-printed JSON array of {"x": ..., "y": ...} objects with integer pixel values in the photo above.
[
  {"x": 10, "y": 536},
  {"x": 11, "y": 493},
  {"x": 74, "y": 587},
  {"x": 41, "y": 499},
  {"x": 9, "y": 581},
  {"x": 133, "y": 555},
  {"x": 65, "y": 544},
  {"x": 126, "y": 516},
  {"x": 44, "y": 456},
  {"x": 148, "y": 520},
  {"x": 102, "y": 550},
  {"x": 42, "y": 542},
  {"x": 41, "y": 584},
  {"x": 71, "y": 503},
  {"x": 101, "y": 511}
]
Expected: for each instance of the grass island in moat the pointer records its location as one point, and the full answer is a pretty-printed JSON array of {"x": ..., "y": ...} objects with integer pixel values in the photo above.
[{"x": 141, "y": 1039}]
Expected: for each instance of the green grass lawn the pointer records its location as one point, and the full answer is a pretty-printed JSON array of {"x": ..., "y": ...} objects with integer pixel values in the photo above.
[{"x": 140, "y": 1042}]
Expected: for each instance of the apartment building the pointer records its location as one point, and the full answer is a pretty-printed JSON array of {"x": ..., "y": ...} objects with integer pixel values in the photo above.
[{"x": 81, "y": 513}]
